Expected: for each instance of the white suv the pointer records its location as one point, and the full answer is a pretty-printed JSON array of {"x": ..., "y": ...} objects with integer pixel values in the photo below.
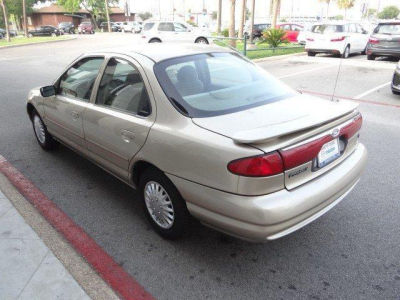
[
  {"x": 337, "y": 38},
  {"x": 157, "y": 32},
  {"x": 133, "y": 27}
]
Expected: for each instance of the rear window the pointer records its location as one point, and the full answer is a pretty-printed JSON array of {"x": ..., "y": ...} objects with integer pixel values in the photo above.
[
  {"x": 213, "y": 84},
  {"x": 327, "y": 28},
  {"x": 148, "y": 26},
  {"x": 388, "y": 29}
]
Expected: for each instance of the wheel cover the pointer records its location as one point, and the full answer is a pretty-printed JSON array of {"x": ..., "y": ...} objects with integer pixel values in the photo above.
[
  {"x": 159, "y": 205},
  {"x": 39, "y": 129},
  {"x": 201, "y": 41}
]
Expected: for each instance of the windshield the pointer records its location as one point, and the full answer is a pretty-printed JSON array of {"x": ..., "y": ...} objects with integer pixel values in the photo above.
[
  {"x": 327, "y": 28},
  {"x": 213, "y": 84},
  {"x": 388, "y": 29}
]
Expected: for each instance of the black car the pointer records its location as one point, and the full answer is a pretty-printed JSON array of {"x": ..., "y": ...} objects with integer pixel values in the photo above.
[
  {"x": 66, "y": 27},
  {"x": 258, "y": 30},
  {"x": 396, "y": 80},
  {"x": 384, "y": 41},
  {"x": 13, "y": 33},
  {"x": 46, "y": 30}
]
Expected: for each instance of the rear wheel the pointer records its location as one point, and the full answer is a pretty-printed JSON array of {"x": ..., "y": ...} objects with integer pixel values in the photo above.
[
  {"x": 346, "y": 52},
  {"x": 155, "y": 41},
  {"x": 43, "y": 137},
  {"x": 309, "y": 53},
  {"x": 371, "y": 57},
  {"x": 395, "y": 92},
  {"x": 201, "y": 40},
  {"x": 163, "y": 205}
]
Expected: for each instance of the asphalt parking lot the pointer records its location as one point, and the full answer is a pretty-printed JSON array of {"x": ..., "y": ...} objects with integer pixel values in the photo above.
[{"x": 352, "y": 252}]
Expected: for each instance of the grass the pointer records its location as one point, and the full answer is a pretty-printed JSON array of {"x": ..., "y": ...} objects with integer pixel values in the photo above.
[
  {"x": 263, "y": 50},
  {"x": 32, "y": 40}
]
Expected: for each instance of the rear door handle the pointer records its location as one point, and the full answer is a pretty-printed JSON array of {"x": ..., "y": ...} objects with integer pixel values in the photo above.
[{"x": 127, "y": 136}]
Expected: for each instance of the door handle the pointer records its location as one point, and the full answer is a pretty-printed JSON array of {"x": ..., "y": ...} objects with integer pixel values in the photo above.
[
  {"x": 127, "y": 136},
  {"x": 75, "y": 115}
]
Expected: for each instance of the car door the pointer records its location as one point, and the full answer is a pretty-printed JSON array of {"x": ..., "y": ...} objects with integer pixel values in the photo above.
[
  {"x": 182, "y": 33},
  {"x": 116, "y": 125},
  {"x": 353, "y": 39},
  {"x": 363, "y": 36},
  {"x": 166, "y": 31},
  {"x": 64, "y": 111}
]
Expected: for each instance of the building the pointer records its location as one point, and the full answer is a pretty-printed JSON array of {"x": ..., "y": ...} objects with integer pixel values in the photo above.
[{"x": 55, "y": 14}]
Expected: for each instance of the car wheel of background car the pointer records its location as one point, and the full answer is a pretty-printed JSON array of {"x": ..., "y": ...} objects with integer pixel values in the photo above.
[
  {"x": 201, "y": 40},
  {"x": 30, "y": 35},
  {"x": 163, "y": 205},
  {"x": 346, "y": 52},
  {"x": 395, "y": 92},
  {"x": 364, "y": 51},
  {"x": 371, "y": 57},
  {"x": 155, "y": 41},
  {"x": 43, "y": 137},
  {"x": 53, "y": 34},
  {"x": 309, "y": 53}
]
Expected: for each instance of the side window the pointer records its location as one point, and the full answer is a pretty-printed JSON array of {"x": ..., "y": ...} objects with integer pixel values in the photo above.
[
  {"x": 166, "y": 26},
  {"x": 78, "y": 81},
  {"x": 180, "y": 27},
  {"x": 122, "y": 88},
  {"x": 296, "y": 28}
]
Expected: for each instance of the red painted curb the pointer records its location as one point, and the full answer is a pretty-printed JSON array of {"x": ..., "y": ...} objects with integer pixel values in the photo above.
[
  {"x": 118, "y": 279},
  {"x": 349, "y": 98}
]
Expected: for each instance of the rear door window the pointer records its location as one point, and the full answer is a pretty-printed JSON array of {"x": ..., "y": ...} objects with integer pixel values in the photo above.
[
  {"x": 166, "y": 26},
  {"x": 326, "y": 28},
  {"x": 148, "y": 26}
]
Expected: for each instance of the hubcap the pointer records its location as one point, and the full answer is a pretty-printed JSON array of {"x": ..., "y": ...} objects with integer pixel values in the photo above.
[
  {"x": 39, "y": 129},
  {"x": 201, "y": 41},
  {"x": 159, "y": 205}
]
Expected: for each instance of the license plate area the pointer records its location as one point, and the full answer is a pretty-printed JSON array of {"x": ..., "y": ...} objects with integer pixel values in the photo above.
[{"x": 328, "y": 153}]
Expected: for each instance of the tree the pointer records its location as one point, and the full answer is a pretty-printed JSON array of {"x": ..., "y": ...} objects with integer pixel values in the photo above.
[
  {"x": 108, "y": 15},
  {"x": 328, "y": 2},
  {"x": 24, "y": 16},
  {"x": 15, "y": 10},
  {"x": 145, "y": 16},
  {"x": 5, "y": 17},
  {"x": 389, "y": 12},
  {"x": 253, "y": 7},
  {"x": 232, "y": 23},
  {"x": 345, "y": 4},
  {"x": 275, "y": 12},
  {"x": 241, "y": 20},
  {"x": 219, "y": 17}
]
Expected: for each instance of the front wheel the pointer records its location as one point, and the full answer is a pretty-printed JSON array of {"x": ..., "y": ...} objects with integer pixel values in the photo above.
[
  {"x": 201, "y": 41},
  {"x": 155, "y": 41},
  {"x": 43, "y": 137},
  {"x": 309, "y": 53},
  {"x": 346, "y": 52},
  {"x": 163, "y": 205},
  {"x": 395, "y": 92},
  {"x": 371, "y": 57}
]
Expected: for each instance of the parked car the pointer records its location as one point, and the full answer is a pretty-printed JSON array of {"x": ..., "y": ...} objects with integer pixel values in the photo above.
[
  {"x": 86, "y": 27},
  {"x": 304, "y": 34},
  {"x": 66, "y": 27},
  {"x": 46, "y": 30},
  {"x": 157, "y": 32},
  {"x": 257, "y": 30},
  {"x": 396, "y": 80},
  {"x": 104, "y": 27},
  {"x": 133, "y": 27},
  {"x": 199, "y": 130},
  {"x": 119, "y": 26},
  {"x": 13, "y": 33},
  {"x": 384, "y": 41},
  {"x": 341, "y": 39},
  {"x": 292, "y": 31}
]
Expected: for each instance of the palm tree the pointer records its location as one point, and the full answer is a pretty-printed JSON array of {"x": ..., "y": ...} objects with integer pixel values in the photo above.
[
  {"x": 345, "y": 4},
  {"x": 327, "y": 7},
  {"x": 5, "y": 15},
  {"x": 219, "y": 17},
  {"x": 242, "y": 17},
  {"x": 275, "y": 11},
  {"x": 253, "y": 6},
  {"x": 232, "y": 23}
]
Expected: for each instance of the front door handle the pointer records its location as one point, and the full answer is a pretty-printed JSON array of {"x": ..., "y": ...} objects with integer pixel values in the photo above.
[{"x": 127, "y": 136}]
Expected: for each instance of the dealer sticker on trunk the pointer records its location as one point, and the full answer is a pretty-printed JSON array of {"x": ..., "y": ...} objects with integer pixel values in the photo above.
[{"x": 329, "y": 152}]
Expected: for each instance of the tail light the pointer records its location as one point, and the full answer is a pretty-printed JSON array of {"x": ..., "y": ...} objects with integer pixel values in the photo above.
[
  {"x": 279, "y": 161},
  {"x": 339, "y": 39},
  {"x": 373, "y": 41},
  {"x": 257, "y": 166},
  {"x": 310, "y": 39}
]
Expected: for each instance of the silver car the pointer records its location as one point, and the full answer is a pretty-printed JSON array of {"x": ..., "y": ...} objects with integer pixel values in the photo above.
[{"x": 201, "y": 131}]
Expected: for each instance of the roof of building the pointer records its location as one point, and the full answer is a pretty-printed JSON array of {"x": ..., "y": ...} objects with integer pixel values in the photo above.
[{"x": 58, "y": 9}]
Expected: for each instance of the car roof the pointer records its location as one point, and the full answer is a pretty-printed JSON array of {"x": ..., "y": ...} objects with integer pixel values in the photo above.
[{"x": 162, "y": 51}]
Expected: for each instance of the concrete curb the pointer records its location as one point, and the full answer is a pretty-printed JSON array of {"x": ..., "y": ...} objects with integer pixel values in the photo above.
[
  {"x": 38, "y": 43},
  {"x": 277, "y": 57},
  {"x": 80, "y": 270}
]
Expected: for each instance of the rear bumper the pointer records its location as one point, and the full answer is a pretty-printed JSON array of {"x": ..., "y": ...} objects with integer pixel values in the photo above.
[
  {"x": 383, "y": 52},
  {"x": 268, "y": 217}
]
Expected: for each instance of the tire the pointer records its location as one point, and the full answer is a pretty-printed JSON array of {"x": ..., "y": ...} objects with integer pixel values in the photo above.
[
  {"x": 309, "y": 53},
  {"x": 346, "y": 52},
  {"x": 44, "y": 138},
  {"x": 154, "y": 186},
  {"x": 53, "y": 34},
  {"x": 364, "y": 51},
  {"x": 371, "y": 57},
  {"x": 155, "y": 41},
  {"x": 395, "y": 92},
  {"x": 30, "y": 35},
  {"x": 201, "y": 40}
]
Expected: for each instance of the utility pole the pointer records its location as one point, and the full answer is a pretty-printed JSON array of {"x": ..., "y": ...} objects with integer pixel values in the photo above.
[
  {"x": 24, "y": 16},
  {"x": 241, "y": 20}
]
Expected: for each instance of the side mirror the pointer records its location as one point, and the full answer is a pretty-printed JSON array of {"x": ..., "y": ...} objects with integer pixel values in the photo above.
[{"x": 48, "y": 91}]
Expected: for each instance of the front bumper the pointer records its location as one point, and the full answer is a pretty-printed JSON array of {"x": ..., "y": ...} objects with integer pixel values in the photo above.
[{"x": 268, "y": 217}]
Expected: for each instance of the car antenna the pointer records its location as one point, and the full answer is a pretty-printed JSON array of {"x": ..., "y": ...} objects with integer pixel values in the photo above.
[{"x": 336, "y": 81}]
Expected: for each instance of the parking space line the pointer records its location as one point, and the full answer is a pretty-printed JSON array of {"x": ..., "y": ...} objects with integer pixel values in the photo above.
[
  {"x": 306, "y": 71},
  {"x": 372, "y": 90},
  {"x": 112, "y": 273}
]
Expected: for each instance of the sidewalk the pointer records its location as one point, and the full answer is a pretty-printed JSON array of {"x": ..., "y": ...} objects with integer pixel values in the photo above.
[{"x": 28, "y": 268}]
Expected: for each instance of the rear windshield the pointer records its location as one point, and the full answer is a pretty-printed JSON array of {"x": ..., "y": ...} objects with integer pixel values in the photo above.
[
  {"x": 148, "y": 26},
  {"x": 327, "y": 28},
  {"x": 388, "y": 29},
  {"x": 213, "y": 84}
]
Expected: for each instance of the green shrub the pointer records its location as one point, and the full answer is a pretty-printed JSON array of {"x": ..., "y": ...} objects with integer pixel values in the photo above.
[
  {"x": 225, "y": 32},
  {"x": 274, "y": 36}
]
